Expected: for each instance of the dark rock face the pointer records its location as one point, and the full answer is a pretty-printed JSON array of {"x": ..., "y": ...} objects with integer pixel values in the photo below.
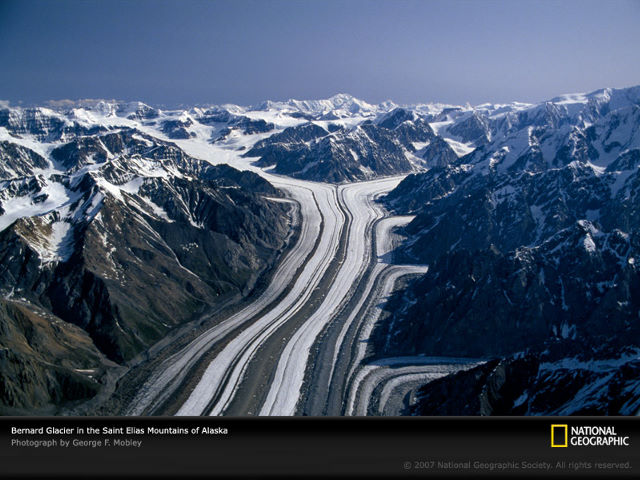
[
  {"x": 82, "y": 151},
  {"x": 474, "y": 129},
  {"x": 44, "y": 360},
  {"x": 506, "y": 211},
  {"x": 485, "y": 303},
  {"x": 556, "y": 381},
  {"x": 531, "y": 240},
  {"x": 139, "y": 112},
  {"x": 397, "y": 117},
  {"x": 230, "y": 122},
  {"x": 250, "y": 127},
  {"x": 303, "y": 133},
  {"x": 177, "y": 129},
  {"x": 309, "y": 151},
  {"x": 438, "y": 154},
  {"x": 36, "y": 121},
  {"x": 196, "y": 240},
  {"x": 43, "y": 124},
  {"x": 417, "y": 189},
  {"x": 17, "y": 161},
  {"x": 204, "y": 254},
  {"x": 216, "y": 115},
  {"x": 148, "y": 238}
]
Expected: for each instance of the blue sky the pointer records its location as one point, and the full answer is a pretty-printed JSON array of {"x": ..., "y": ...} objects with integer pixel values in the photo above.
[{"x": 244, "y": 51}]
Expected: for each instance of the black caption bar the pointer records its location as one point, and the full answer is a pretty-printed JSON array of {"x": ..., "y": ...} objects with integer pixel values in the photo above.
[{"x": 365, "y": 447}]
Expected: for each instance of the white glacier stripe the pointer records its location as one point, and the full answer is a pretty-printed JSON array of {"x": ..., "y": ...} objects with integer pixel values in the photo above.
[
  {"x": 384, "y": 244},
  {"x": 229, "y": 365},
  {"x": 285, "y": 388},
  {"x": 428, "y": 369}
]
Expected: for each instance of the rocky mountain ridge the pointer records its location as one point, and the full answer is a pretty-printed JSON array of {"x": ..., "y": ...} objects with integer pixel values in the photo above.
[
  {"x": 531, "y": 241},
  {"x": 125, "y": 236}
]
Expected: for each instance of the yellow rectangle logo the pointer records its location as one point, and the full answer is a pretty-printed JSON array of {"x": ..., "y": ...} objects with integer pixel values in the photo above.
[{"x": 559, "y": 436}]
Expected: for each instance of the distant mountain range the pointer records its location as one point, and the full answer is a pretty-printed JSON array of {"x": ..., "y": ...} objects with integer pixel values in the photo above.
[{"x": 120, "y": 222}]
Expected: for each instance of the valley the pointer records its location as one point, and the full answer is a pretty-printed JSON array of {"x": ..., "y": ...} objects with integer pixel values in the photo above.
[{"x": 323, "y": 257}]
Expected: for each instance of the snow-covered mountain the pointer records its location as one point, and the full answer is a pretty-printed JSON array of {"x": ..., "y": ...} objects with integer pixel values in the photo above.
[
  {"x": 341, "y": 105},
  {"x": 526, "y": 214},
  {"x": 531, "y": 240},
  {"x": 117, "y": 237}
]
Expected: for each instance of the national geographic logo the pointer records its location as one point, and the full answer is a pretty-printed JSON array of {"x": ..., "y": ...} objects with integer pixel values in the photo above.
[{"x": 586, "y": 436}]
